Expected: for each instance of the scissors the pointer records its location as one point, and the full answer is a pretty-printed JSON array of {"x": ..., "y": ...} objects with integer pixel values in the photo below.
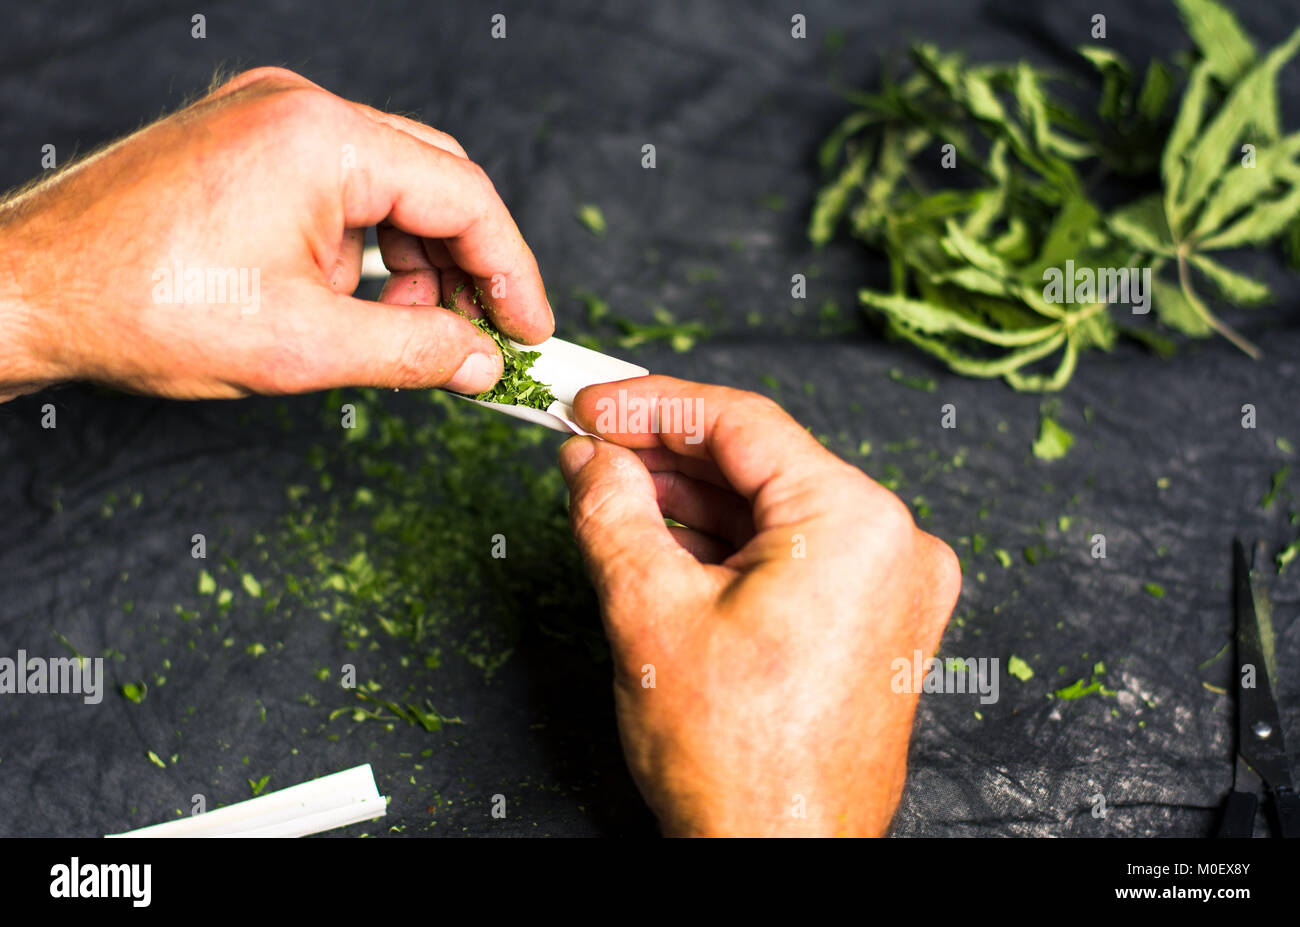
[{"x": 1262, "y": 764}]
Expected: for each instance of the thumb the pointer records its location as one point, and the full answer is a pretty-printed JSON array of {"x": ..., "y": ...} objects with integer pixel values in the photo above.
[
  {"x": 342, "y": 341},
  {"x": 635, "y": 563}
]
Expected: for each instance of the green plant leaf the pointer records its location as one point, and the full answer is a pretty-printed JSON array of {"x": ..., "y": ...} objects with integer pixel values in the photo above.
[
  {"x": 1241, "y": 186},
  {"x": 1156, "y": 90},
  {"x": 1259, "y": 225},
  {"x": 1186, "y": 124},
  {"x": 931, "y": 318},
  {"x": 1244, "y": 106},
  {"x": 1226, "y": 47},
  {"x": 1117, "y": 78},
  {"x": 1175, "y": 311},
  {"x": 1233, "y": 286},
  {"x": 1143, "y": 225}
]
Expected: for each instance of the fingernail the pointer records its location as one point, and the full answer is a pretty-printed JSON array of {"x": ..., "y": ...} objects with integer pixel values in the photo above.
[
  {"x": 476, "y": 374},
  {"x": 574, "y": 455}
]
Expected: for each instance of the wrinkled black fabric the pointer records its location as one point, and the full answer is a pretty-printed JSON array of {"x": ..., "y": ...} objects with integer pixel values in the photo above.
[{"x": 557, "y": 113}]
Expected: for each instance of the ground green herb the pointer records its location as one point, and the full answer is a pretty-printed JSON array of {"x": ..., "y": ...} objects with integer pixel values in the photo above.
[
  {"x": 156, "y": 760},
  {"x": 135, "y": 691},
  {"x": 257, "y": 786},
  {"x": 1004, "y": 558},
  {"x": 251, "y": 585},
  {"x": 1053, "y": 441},
  {"x": 1020, "y": 669},
  {"x": 972, "y": 249},
  {"x": 592, "y": 218},
  {"x": 1288, "y": 554},
  {"x": 1279, "y": 478},
  {"x": 923, "y": 384},
  {"x": 207, "y": 585},
  {"x": 1155, "y": 590}
]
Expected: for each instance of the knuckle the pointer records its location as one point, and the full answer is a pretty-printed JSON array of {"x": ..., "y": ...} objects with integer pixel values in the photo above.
[
  {"x": 262, "y": 78},
  {"x": 418, "y": 360},
  {"x": 947, "y": 573}
]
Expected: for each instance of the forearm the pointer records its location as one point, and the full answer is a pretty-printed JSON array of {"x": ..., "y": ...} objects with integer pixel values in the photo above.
[{"x": 22, "y": 368}]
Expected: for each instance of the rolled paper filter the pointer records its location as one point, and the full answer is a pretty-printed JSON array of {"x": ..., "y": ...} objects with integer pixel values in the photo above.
[
  {"x": 336, "y": 800},
  {"x": 565, "y": 368}
]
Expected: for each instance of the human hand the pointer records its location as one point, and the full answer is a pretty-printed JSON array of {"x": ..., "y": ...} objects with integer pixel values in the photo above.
[
  {"x": 275, "y": 179},
  {"x": 768, "y": 625}
]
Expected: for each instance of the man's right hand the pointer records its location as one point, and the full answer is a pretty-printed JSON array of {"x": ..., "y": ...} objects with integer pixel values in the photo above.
[{"x": 768, "y": 625}]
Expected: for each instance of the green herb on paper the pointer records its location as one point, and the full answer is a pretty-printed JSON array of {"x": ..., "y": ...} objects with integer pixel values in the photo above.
[{"x": 516, "y": 387}]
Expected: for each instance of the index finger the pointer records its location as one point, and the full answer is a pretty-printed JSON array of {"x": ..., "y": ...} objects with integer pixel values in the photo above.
[
  {"x": 753, "y": 441},
  {"x": 430, "y": 192}
]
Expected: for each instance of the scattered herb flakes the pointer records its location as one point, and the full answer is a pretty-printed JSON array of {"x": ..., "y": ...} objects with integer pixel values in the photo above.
[
  {"x": 1217, "y": 690},
  {"x": 1285, "y": 446},
  {"x": 224, "y": 598},
  {"x": 1214, "y": 659},
  {"x": 592, "y": 219},
  {"x": 1155, "y": 590},
  {"x": 255, "y": 650},
  {"x": 923, "y": 384},
  {"x": 256, "y": 786},
  {"x": 156, "y": 760},
  {"x": 251, "y": 585},
  {"x": 207, "y": 585},
  {"x": 1020, "y": 669},
  {"x": 1053, "y": 441},
  {"x": 1288, "y": 554},
  {"x": 135, "y": 691},
  {"x": 1004, "y": 558},
  {"x": 1279, "y": 478}
]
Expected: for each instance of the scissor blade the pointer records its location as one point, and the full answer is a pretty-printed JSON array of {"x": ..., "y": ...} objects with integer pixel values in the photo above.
[{"x": 1259, "y": 729}]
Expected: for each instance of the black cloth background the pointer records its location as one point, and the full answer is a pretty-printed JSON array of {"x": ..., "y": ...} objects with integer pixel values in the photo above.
[{"x": 557, "y": 113}]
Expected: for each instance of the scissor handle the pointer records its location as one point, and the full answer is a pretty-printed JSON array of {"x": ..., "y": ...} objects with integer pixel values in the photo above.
[
  {"x": 1287, "y": 806},
  {"x": 1239, "y": 815}
]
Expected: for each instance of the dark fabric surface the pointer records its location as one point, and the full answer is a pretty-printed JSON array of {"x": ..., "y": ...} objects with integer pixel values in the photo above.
[{"x": 557, "y": 113}]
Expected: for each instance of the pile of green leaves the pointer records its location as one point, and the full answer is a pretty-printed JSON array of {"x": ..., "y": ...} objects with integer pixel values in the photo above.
[
  {"x": 516, "y": 386},
  {"x": 967, "y": 259}
]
